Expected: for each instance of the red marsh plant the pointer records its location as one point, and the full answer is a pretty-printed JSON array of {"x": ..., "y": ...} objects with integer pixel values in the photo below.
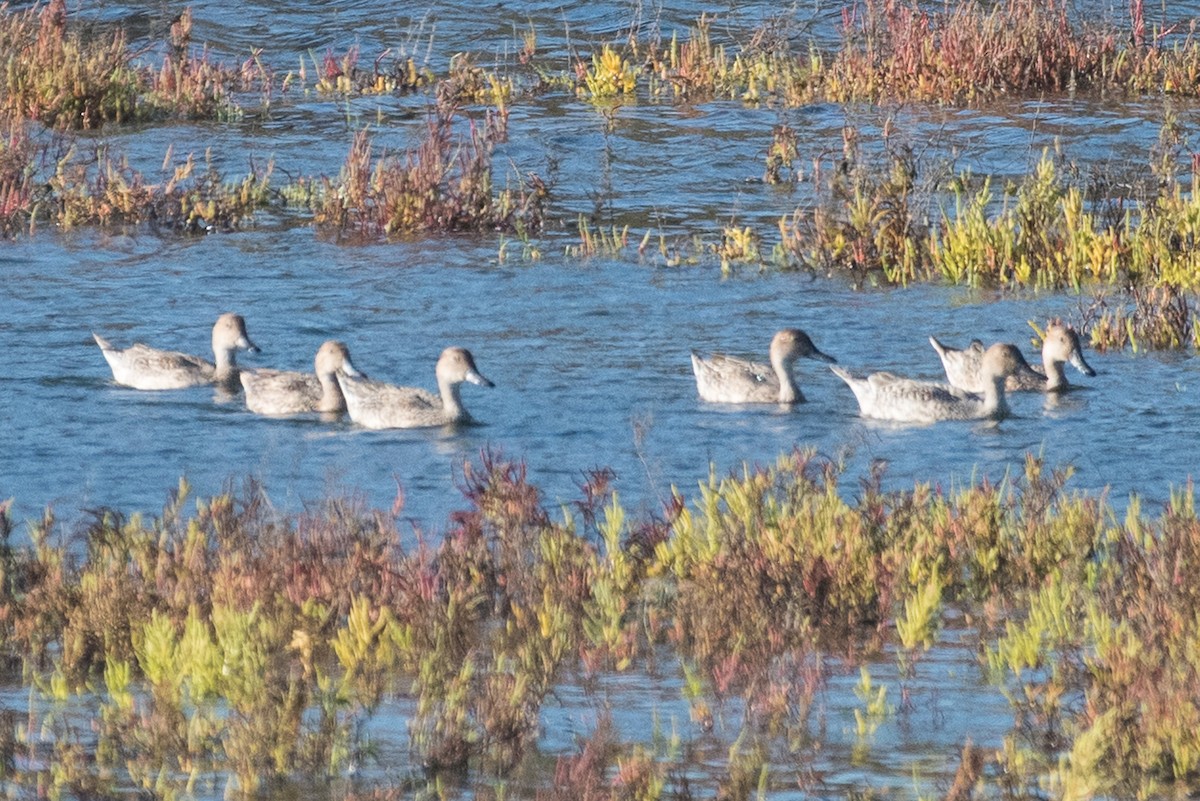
[
  {"x": 190, "y": 84},
  {"x": 539, "y": 591},
  {"x": 20, "y": 160},
  {"x": 583, "y": 776},
  {"x": 695, "y": 67},
  {"x": 468, "y": 83},
  {"x": 1140, "y": 691},
  {"x": 781, "y": 156},
  {"x": 200, "y": 614},
  {"x": 770, "y": 564},
  {"x": 55, "y": 77},
  {"x": 871, "y": 222},
  {"x": 903, "y": 50},
  {"x": 445, "y": 183},
  {"x": 868, "y": 222},
  {"x": 1105, "y": 688},
  {"x": 53, "y": 180},
  {"x": 343, "y": 75},
  {"x": 963, "y": 52},
  {"x": 1045, "y": 234}
]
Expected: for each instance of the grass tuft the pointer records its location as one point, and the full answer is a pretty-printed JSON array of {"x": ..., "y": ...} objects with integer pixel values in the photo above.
[
  {"x": 444, "y": 184},
  {"x": 67, "y": 79}
]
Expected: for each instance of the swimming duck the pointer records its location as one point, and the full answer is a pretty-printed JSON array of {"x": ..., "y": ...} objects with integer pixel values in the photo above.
[
  {"x": 1060, "y": 345},
  {"x": 889, "y": 397},
  {"x": 143, "y": 367},
  {"x": 374, "y": 404},
  {"x": 729, "y": 379},
  {"x": 282, "y": 392}
]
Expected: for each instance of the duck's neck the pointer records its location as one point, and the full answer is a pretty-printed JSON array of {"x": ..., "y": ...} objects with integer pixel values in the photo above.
[
  {"x": 1056, "y": 376},
  {"x": 226, "y": 366},
  {"x": 995, "y": 402},
  {"x": 332, "y": 399},
  {"x": 452, "y": 400},
  {"x": 788, "y": 391}
]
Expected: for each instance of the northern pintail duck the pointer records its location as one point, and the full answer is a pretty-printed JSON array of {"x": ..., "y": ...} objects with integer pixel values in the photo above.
[
  {"x": 283, "y": 392},
  {"x": 889, "y": 397},
  {"x": 374, "y": 404},
  {"x": 143, "y": 367},
  {"x": 1059, "y": 345},
  {"x": 729, "y": 379}
]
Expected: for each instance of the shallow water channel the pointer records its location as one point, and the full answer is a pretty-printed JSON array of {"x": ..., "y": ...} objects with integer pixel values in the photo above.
[{"x": 590, "y": 357}]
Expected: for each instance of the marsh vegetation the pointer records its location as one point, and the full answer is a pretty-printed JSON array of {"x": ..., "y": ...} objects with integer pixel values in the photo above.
[
  {"x": 886, "y": 216},
  {"x": 234, "y": 649}
]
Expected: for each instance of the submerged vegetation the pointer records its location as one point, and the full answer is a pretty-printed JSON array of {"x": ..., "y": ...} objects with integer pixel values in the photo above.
[{"x": 165, "y": 654}]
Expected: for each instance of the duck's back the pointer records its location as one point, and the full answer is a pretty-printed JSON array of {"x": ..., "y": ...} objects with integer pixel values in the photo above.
[
  {"x": 964, "y": 370},
  {"x": 961, "y": 366},
  {"x": 375, "y": 404},
  {"x": 728, "y": 379},
  {"x": 280, "y": 392},
  {"x": 142, "y": 367},
  {"x": 887, "y": 396},
  {"x": 921, "y": 401}
]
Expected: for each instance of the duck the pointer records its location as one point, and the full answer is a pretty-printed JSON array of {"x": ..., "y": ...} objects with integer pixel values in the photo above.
[
  {"x": 886, "y": 396},
  {"x": 142, "y": 367},
  {"x": 729, "y": 379},
  {"x": 285, "y": 392},
  {"x": 375, "y": 404},
  {"x": 1059, "y": 346}
]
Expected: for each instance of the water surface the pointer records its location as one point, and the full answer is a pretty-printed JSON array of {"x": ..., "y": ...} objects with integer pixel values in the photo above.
[{"x": 591, "y": 364}]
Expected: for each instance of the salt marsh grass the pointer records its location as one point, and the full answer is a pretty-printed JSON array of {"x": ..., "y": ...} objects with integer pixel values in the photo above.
[{"x": 231, "y": 641}]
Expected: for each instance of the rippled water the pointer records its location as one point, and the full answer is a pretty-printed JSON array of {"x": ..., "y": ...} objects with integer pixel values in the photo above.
[
  {"x": 590, "y": 361},
  {"x": 590, "y": 358}
]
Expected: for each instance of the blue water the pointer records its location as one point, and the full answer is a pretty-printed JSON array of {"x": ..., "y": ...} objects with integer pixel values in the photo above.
[{"x": 590, "y": 361}]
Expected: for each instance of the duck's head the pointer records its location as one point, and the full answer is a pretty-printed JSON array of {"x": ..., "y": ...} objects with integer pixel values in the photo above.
[
  {"x": 1061, "y": 344},
  {"x": 333, "y": 357},
  {"x": 1002, "y": 360},
  {"x": 456, "y": 365},
  {"x": 792, "y": 343},
  {"x": 229, "y": 334}
]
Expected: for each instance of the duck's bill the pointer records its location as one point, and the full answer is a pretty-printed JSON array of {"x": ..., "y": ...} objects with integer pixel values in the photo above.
[
  {"x": 245, "y": 344},
  {"x": 822, "y": 357},
  {"x": 1079, "y": 364},
  {"x": 475, "y": 378},
  {"x": 348, "y": 369}
]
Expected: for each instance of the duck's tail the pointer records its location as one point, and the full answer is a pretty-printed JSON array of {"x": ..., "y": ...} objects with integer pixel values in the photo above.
[
  {"x": 102, "y": 342},
  {"x": 842, "y": 373},
  {"x": 938, "y": 346}
]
